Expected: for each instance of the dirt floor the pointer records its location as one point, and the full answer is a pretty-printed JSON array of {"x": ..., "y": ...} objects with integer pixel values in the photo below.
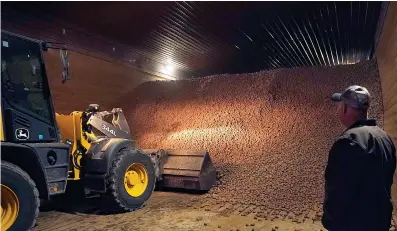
[
  {"x": 175, "y": 211},
  {"x": 172, "y": 211}
]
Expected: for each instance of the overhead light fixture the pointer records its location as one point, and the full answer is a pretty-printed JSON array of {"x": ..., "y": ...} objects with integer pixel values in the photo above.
[{"x": 169, "y": 67}]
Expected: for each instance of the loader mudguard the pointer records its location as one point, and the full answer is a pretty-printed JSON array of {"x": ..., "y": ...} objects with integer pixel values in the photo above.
[
  {"x": 99, "y": 161},
  {"x": 46, "y": 163}
]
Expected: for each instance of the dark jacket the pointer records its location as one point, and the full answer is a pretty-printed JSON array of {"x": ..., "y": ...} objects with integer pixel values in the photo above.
[{"x": 358, "y": 179}]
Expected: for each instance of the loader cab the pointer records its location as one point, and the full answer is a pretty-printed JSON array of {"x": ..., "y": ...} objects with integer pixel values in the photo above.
[{"x": 26, "y": 99}]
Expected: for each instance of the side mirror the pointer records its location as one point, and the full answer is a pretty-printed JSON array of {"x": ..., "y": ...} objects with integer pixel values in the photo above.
[
  {"x": 64, "y": 57},
  {"x": 65, "y": 65}
]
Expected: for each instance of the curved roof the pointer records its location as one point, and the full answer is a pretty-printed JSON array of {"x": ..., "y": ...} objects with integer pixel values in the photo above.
[{"x": 205, "y": 38}]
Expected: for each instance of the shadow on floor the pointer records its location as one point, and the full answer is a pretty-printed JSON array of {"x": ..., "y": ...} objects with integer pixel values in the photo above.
[
  {"x": 75, "y": 200},
  {"x": 73, "y": 205}
]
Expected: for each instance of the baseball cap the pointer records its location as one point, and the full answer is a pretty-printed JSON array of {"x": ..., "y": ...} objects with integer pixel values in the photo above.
[{"x": 354, "y": 96}]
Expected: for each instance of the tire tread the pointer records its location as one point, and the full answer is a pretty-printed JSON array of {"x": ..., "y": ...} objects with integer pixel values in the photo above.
[
  {"x": 15, "y": 168},
  {"x": 111, "y": 184}
]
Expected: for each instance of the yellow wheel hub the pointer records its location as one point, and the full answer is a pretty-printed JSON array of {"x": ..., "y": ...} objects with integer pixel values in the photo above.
[
  {"x": 9, "y": 207},
  {"x": 136, "y": 180}
]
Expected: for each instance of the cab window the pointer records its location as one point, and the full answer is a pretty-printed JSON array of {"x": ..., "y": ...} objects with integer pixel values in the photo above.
[{"x": 22, "y": 76}]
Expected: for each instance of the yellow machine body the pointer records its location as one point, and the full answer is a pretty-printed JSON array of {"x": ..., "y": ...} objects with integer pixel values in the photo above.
[
  {"x": 188, "y": 169},
  {"x": 70, "y": 129}
]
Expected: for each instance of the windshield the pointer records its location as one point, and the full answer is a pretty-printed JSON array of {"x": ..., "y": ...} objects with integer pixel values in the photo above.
[{"x": 22, "y": 77}]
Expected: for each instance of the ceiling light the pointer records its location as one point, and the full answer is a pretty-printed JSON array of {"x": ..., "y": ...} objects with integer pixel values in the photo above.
[{"x": 169, "y": 67}]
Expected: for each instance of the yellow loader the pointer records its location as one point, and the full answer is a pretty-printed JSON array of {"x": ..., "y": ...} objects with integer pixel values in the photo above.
[{"x": 42, "y": 150}]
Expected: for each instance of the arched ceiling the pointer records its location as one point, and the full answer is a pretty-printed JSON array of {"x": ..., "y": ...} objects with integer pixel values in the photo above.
[{"x": 205, "y": 38}]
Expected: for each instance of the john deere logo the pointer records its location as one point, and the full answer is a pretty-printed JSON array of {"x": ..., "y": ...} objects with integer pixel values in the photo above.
[{"x": 22, "y": 134}]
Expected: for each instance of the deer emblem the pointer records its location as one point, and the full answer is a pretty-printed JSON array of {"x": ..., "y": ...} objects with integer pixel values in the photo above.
[{"x": 22, "y": 134}]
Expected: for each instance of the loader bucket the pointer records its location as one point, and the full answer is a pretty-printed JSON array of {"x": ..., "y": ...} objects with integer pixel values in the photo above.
[{"x": 187, "y": 169}]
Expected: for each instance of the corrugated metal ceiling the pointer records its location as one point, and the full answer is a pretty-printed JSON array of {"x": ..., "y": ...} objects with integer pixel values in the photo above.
[{"x": 205, "y": 38}]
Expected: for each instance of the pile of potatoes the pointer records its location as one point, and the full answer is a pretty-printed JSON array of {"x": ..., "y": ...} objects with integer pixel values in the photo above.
[{"x": 268, "y": 133}]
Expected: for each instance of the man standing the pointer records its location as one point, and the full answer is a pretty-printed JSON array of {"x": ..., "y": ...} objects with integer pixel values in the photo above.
[{"x": 360, "y": 169}]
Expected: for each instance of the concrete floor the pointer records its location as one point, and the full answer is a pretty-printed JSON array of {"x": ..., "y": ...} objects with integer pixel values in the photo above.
[{"x": 170, "y": 211}]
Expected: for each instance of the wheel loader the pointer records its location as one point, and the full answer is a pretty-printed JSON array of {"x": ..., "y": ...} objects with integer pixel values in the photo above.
[{"x": 41, "y": 151}]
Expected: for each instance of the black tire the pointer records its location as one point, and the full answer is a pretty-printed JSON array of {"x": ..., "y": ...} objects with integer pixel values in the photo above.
[
  {"x": 25, "y": 189},
  {"x": 117, "y": 197}
]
